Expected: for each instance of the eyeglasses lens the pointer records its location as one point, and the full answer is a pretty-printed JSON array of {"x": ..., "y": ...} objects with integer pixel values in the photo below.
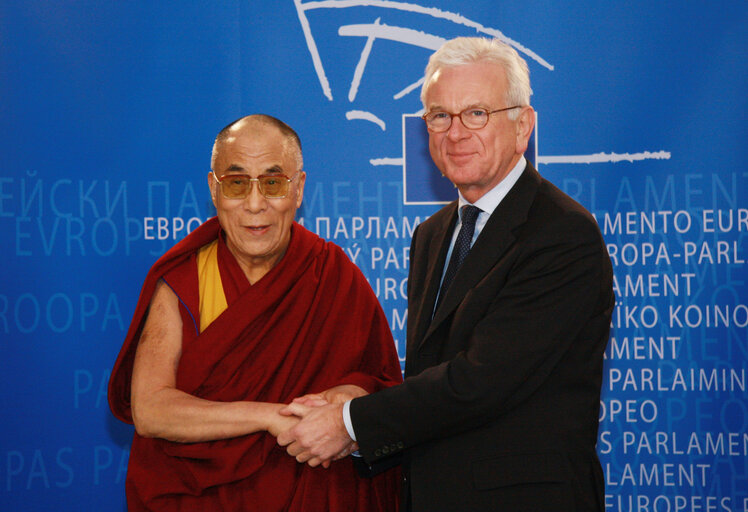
[
  {"x": 474, "y": 119},
  {"x": 238, "y": 187},
  {"x": 235, "y": 187},
  {"x": 273, "y": 186}
]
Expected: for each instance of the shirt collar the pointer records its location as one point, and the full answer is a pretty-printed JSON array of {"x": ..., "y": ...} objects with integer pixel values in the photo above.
[{"x": 491, "y": 199}]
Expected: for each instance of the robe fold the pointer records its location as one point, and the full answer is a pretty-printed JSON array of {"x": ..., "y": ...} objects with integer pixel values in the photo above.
[{"x": 311, "y": 323}]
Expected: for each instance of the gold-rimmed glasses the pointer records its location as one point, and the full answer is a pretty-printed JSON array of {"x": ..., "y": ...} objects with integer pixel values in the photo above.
[{"x": 238, "y": 186}]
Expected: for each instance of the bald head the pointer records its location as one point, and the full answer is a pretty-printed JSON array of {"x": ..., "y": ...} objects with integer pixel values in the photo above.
[{"x": 255, "y": 124}]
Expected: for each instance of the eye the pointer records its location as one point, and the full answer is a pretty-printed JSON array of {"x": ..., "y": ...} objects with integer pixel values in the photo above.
[
  {"x": 438, "y": 116},
  {"x": 476, "y": 113}
]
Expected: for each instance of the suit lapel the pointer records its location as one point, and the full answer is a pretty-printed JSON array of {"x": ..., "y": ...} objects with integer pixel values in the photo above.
[
  {"x": 435, "y": 255},
  {"x": 494, "y": 240}
]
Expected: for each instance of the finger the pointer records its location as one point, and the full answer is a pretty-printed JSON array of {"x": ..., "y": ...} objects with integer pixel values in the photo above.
[
  {"x": 285, "y": 438},
  {"x": 312, "y": 396},
  {"x": 314, "y": 462},
  {"x": 347, "y": 451},
  {"x": 310, "y": 401},
  {"x": 304, "y": 457},
  {"x": 295, "y": 409},
  {"x": 342, "y": 455},
  {"x": 294, "y": 449}
]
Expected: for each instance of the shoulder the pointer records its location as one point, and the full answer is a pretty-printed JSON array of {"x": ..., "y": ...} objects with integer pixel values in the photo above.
[
  {"x": 164, "y": 299},
  {"x": 554, "y": 209},
  {"x": 321, "y": 256},
  {"x": 551, "y": 196},
  {"x": 545, "y": 217},
  {"x": 337, "y": 274},
  {"x": 309, "y": 245}
]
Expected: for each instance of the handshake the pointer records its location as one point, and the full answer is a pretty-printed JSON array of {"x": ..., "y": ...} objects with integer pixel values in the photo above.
[{"x": 311, "y": 427}]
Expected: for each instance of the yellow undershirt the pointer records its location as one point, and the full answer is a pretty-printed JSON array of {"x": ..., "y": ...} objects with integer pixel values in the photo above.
[{"x": 212, "y": 298}]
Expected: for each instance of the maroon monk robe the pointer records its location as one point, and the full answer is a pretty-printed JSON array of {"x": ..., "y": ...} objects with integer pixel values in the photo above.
[{"x": 309, "y": 324}]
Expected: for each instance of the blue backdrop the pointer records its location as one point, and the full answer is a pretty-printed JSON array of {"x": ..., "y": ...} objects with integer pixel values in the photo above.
[{"x": 108, "y": 111}]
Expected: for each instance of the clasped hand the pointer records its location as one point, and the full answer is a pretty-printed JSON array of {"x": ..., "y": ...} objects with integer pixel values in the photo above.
[{"x": 320, "y": 436}]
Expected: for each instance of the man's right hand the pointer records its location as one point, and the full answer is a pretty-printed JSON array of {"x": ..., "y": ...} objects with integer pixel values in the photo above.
[{"x": 321, "y": 435}]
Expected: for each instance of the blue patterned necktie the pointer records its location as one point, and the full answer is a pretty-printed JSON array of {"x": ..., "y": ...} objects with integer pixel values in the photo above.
[{"x": 461, "y": 248}]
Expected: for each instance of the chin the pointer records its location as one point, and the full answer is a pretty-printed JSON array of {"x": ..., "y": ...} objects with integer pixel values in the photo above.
[{"x": 461, "y": 177}]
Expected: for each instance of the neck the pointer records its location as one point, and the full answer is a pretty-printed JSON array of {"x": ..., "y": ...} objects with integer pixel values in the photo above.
[{"x": 255, "y": 268}]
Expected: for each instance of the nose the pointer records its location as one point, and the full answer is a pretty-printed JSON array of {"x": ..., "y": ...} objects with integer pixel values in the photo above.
[
  {"x": 457, "y": 130},
  {"x": 255, "y": 202}
]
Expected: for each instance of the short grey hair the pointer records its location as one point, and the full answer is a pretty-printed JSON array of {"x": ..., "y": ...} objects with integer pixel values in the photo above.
[{"x": 469, "y": 50}]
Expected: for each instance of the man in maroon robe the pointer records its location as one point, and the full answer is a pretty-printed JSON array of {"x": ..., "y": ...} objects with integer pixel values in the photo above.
[{"x": 245, "y": 314}]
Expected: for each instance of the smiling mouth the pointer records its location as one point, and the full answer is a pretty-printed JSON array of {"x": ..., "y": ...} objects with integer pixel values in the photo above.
[
  {"x": 256, "y": 229},
  {"x": 460, "y": 156}
]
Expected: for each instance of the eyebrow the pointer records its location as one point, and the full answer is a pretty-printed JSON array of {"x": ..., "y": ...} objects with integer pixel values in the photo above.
[
  {"x": 236, "y": 168},
  {"x": 479, "y": 104}
]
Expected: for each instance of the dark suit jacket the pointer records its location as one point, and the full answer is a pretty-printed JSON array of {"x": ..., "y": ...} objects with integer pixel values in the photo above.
[{"x": 499, "y": 409}]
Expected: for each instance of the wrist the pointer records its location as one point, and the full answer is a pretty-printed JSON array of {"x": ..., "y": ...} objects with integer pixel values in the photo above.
[
  {"x": 265, "y": 413},
  {"x": 347, "y": 421}
]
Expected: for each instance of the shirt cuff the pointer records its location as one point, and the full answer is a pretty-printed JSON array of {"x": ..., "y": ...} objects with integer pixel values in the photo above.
[{"x": 347, "y": 420}]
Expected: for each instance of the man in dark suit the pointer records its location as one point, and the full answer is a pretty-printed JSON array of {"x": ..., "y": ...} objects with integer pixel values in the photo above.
[{"x": 509, "y": 306}]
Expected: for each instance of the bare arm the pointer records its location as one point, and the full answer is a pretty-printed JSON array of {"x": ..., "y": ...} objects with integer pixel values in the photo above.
[{"x": 160, "y": 410}]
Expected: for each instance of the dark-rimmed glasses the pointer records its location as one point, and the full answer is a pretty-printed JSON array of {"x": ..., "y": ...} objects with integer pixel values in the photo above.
[
  {"x": 472, "y": 118},
  {"x": 238, "y": 186}
]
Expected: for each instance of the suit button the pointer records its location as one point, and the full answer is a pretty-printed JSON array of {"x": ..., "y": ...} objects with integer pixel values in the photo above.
[
  {"x": 377, "y": 452},
  {"x": 386, "y": 450},
  {"x": 400, "y": 445}
]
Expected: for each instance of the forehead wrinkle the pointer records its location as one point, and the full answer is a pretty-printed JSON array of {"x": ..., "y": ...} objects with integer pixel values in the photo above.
[
  {"x": 474, "y": 104},
  {"x": 463, "y": 99},
  {"x": 240, "y": 159},
  {"x": 239, "y": 169}
]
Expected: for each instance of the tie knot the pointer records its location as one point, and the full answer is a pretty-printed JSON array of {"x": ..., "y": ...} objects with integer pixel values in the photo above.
[{"x": 470, "y": 214}]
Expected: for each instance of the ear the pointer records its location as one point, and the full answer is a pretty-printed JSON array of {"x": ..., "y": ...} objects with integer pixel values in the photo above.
[
  {"x": 213, "y": 186},
  {"x": 300, "y": 181},
  {"x": 525, "y": 124}
]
